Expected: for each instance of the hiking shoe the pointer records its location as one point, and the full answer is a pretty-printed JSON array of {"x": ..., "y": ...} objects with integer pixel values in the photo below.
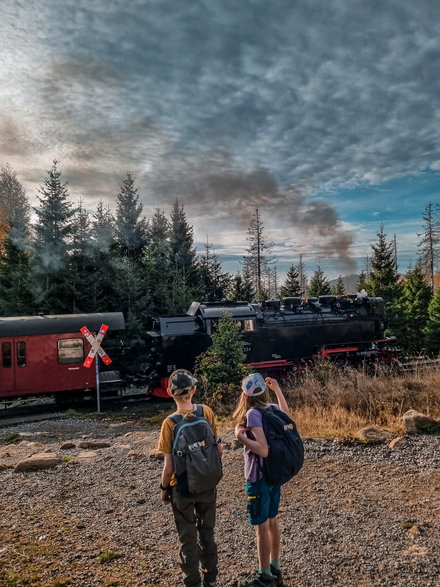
[
  {"x": 278, "y": 576},
  {"x": 258, "y": 580}
]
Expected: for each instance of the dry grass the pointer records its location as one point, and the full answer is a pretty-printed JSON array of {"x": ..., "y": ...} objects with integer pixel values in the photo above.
[{"x": 333, "y": 402}]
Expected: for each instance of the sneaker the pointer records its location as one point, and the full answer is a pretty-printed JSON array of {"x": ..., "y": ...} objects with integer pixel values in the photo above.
[
  {"x": 278, "y": 576},
  {"x": 258, "y": 580}
]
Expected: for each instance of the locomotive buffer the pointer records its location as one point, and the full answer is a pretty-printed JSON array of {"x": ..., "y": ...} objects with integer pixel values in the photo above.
[{"x": 96, "y": 348}]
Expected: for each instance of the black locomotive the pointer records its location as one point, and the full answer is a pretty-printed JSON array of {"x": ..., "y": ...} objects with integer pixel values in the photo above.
[{"x": 278, "y": 335}]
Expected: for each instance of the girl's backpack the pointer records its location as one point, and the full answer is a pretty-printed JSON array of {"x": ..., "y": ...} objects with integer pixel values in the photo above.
[
  {"x": 286, "y": 449},
  {"x": 197, "y": 463}
]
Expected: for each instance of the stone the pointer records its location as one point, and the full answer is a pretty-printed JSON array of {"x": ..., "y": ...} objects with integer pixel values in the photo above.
[
  {"x": 67, "y": 445},
  {"x": 372, "y": 434},
  {"x": 37, "y": 462},
  {"x": 397, "y": 442},
  {"x": 94, "y": 444},
  {"x": 417, "y": 423},
  {"x": 156, "y": 455}
]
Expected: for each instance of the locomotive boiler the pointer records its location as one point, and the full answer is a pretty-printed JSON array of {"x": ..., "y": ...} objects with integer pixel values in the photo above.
[{"x": 277, "y": 335}]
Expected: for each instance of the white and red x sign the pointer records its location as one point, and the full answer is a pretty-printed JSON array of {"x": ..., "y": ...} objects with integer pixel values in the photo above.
[{"x": 95, "y": 345}]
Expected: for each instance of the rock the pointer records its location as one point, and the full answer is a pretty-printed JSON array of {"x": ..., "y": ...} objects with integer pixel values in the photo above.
[
  {"x": 156, "y": 455},
  {"x": 94, "y": 444},
  {"x": 85, "y": 455},
  {"x": 140, "y": 455},
  {"x": 38, "y": 462},
  {"x": 372, "y": 434},
  {"x": 396, "y": 442},
  {"x": 417, "y": 423},
  {"x": 67, "y": 445}
]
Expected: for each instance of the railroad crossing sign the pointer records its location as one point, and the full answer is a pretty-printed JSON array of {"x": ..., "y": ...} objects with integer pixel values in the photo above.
[{"x": 95, "y": 345}]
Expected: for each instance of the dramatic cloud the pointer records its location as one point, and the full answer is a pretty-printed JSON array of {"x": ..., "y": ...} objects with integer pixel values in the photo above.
[{"x": 227, "y": 105}]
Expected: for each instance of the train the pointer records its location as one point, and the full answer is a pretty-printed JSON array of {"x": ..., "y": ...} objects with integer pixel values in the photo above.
[
  {"x": 45, "y": 354},
  {"x": 284, "y": 335}
]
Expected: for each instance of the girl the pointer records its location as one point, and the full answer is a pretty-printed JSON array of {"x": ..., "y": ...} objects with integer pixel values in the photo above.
[{"x": 263, "y": 499}]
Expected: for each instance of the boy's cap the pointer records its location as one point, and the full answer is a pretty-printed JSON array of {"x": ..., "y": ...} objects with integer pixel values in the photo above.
[
  {"x": 181, "y": 381},
  {"x": 253, "y": 385}
]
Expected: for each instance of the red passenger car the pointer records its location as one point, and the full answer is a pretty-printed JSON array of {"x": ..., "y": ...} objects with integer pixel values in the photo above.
[{"x": 45, "y": 354}]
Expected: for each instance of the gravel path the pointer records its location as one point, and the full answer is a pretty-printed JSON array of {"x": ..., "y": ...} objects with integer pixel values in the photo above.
[{"x": 356, "y": 516}]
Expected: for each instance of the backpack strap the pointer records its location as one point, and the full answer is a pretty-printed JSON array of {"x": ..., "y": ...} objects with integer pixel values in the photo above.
[{"x": 176, "y": 417}]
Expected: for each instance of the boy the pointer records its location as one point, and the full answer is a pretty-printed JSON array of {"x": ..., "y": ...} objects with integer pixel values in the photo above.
[{"x": 194, "y": 516}]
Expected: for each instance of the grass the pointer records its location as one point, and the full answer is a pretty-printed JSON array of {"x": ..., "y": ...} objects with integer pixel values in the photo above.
[
  {"x": 108, "y": 556},
  {"x": 332, "y": 402}
]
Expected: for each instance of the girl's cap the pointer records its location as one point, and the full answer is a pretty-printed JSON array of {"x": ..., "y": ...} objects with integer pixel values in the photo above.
[{"x": 253, "y": 385}]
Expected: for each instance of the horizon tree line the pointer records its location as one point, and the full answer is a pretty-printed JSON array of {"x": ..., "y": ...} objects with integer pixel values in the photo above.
[{"x": 71, "y": 261}]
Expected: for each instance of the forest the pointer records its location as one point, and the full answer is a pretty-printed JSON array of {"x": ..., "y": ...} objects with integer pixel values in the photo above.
[{"x": 68, "y": 260}]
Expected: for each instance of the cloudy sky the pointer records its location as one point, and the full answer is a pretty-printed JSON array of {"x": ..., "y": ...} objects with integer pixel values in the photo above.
[{"x": 324, "y": 114}]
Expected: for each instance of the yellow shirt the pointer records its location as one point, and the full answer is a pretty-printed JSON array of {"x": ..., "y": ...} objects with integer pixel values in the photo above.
[{"x": 166, "y": 432}]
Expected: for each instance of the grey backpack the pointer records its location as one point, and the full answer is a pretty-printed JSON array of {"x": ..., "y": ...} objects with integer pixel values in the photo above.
[{"x": 197, "y": 463}]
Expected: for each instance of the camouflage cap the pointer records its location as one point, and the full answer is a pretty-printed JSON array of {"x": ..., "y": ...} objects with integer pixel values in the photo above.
[{"x": 181, "y": 382}]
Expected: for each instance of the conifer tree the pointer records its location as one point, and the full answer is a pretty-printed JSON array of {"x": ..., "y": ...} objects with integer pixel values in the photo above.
[
  {"x": 130, "y": 225},
  {"x": 183, "y": 252},
  {"x": 319, "y": 284},
  {"x": 339, "y": 288},
  {"x": 220, "y": 368},
  {"x": 362, "y": 283},
  {"x": 433, "y": 325},
  {"x": 259, "y": 255},
  {"x": 157, "y": 268},
  {"x": 291, "y": 287},
  {"x": 213, "y": 282},
  {"x": 241, "y": 289},
  {"x": 415, "y": 303},
  {"x": 429, "y": 244},
  {"x": 302, "y": 277},
  {"x": 53, "y": 242},
  {"x": 14, "y": 209},
  {"x": 384, "y": 279}
]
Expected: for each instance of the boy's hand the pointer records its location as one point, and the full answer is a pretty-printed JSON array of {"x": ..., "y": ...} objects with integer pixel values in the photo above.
[{"x": 165, "y": 496}]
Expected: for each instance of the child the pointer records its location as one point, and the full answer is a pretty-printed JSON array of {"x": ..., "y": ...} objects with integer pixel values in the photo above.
[
  {"x": 263, "y": 499},
  {"x": 194, "y": 516}
]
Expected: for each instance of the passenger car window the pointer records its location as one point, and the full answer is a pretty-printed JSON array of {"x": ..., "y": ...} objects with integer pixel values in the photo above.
[
  {"x": 6, "y": 354},
  {"x": 21, "y": 354},
  {"x": 70, "y": 350}
]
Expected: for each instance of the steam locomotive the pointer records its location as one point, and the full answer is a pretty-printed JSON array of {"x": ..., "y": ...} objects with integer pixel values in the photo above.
[{"x": 278, "y": 335}]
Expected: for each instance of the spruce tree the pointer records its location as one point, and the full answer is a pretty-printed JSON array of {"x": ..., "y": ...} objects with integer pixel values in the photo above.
[
  {"x": 429, "y": 244},
  {"x": 16, "y": 287},
  {"x": 319, "y": 284},
  {"x": 241, "y": 289},
  {"x": 52, "y": 244},
  {"x": 259, "y": 255},
  {"x": 156, "y": 268},
  {"x": 130, "y": 225},
  {"x": 14, "y": 209},
  {"x": 433, "y": 325},
  {"x": 339, "y": 288},
  {"x": 213, "y": 282},
  {"x": 291, "y": 287},
  {"x": 183, "y": 252},
  {"x": 384, "y": 279},
  {"x": 415, "y": 303}
]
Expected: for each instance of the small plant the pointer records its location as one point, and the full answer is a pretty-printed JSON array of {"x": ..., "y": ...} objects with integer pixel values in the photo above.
[
  {"x": 408, "y": 525},
  {"x": 74, "y": 486},
  {"x": 108, "y": 556},
  {"x": 67, "y": 459},
  {"x": 11, "y": 439},
  {"x": 61, "y": 582},
  {"x": 110, "y": 584}
]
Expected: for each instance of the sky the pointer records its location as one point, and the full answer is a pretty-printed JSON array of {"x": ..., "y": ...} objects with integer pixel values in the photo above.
[{"x": 323, "y": 114}]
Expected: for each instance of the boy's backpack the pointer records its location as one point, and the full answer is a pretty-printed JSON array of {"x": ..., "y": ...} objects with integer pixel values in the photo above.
[
  {"x": 197, "y": 463},
  {"x": 286, "y": 449}
]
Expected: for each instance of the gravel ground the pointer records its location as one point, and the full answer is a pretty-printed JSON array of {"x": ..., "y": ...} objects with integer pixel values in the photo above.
[{"x": 356, "y": 515}]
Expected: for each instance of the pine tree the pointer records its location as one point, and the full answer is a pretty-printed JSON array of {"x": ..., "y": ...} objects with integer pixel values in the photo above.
[
  {"x": 16, "y": 287},
  {"x": 259, "y": 255},
  {"x": 157, "y": 268},
  {"x": 433, "y": 326},
  {"x": 130, "y": 225},
  {"x": 220, "y": 369},
  {"x": 384, "y": 279},
  {"x": 416, "y": 296},
  {"x": 14, "y": 210},
  {"x": 214, "y": 283},
  {"x": 52, "y": 244},
  {"x": 319, "y": 284},
  {"x": 183, "y": 252},
  {"x": 362, "y": 283},
  {"x": 241, "y": 289},
  {"x": 339, "y": 288},
  {"x": 429, "y": 245},
  {"x": 303, "y": 281},
  {"x": 292, "y": 286}
]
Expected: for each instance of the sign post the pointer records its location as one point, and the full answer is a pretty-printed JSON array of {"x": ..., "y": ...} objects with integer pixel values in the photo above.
[{"x": 96, "y": 348}]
